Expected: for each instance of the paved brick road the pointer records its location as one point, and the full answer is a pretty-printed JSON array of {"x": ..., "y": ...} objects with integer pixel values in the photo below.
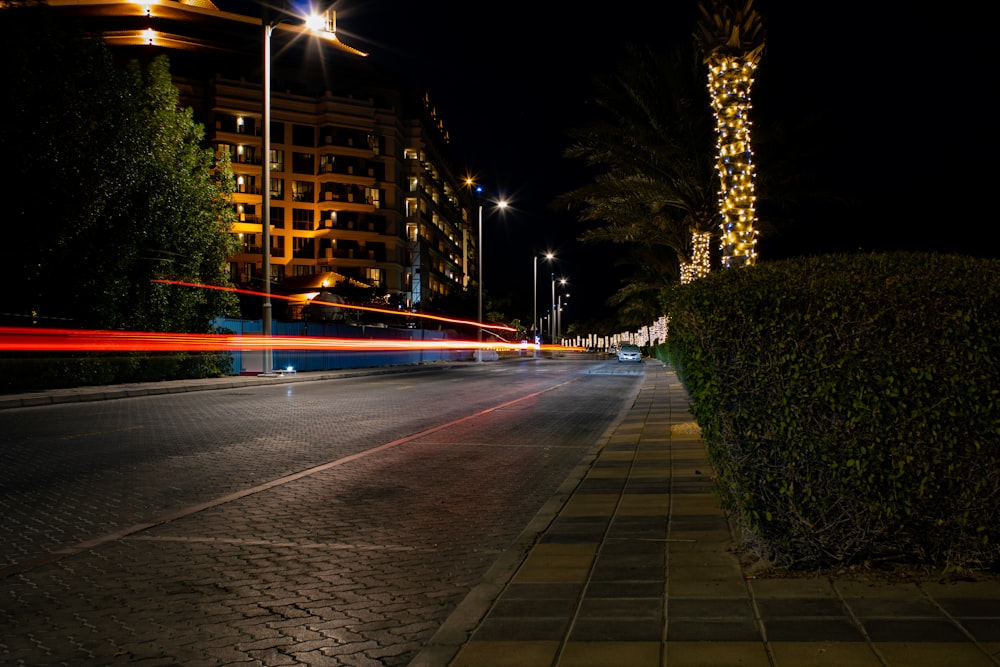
[{"x": 355, "y": 563}]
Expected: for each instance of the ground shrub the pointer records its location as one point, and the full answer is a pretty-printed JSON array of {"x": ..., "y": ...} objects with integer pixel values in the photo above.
[
  {"x": 32, "y": 371},
  {"x": 850, "y": 404}
]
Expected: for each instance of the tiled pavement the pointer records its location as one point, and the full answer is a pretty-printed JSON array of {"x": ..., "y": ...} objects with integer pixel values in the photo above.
[{"x": 636, "y": 569}]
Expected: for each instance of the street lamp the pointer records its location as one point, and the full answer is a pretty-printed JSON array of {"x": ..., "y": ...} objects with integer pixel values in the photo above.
[
  {"x": 324, "y": 26},
  {"x": 501, "y": 204},
  {"x": 562, "y": 284},
  {"x": 549, "y": 256},
  {"x": 552, "y": 309}
]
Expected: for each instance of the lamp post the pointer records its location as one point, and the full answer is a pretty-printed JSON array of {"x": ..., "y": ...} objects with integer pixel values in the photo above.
[
  {"x": 501, "y": 204},
  {"x": 479, "y": 311},
  {"x": 558, "y": 338},
  {"x": 324, "y": 26},
  {"x": 552, "y": 309},
  {"x": 549, "y": 256},
  {"x": 562, "y": 284},
  {"x": 265, "y": 209}
]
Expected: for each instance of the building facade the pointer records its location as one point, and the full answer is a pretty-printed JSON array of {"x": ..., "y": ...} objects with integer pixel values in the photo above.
[{"x": 363, "y": 195}]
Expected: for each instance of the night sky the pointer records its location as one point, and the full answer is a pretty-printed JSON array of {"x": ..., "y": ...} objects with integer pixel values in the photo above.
[{"x": 883, "y": 107}]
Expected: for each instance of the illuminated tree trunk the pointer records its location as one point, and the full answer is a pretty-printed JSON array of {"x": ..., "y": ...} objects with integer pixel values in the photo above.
[
  {"x": 729, "y": 83},
  {"x": 731, "y": 38},
  {"x": 700, "y": 264}
]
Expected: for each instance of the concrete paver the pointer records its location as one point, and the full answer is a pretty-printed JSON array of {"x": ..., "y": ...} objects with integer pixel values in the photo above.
[{"x": 637, "y": 568}]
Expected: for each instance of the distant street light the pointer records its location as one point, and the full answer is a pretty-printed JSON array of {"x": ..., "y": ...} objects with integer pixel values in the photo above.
[
  {"x": 500, "y": 204},
  {"x": 549, "y": 256},
  {"x": 321, "y": 25},
  {"x": 552, "y": 309},
  {"x": 562, "y": 283}
]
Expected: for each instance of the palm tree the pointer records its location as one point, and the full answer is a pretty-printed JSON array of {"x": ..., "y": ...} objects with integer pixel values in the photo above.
[
  {"x": 655, "y": 187},
  {"x": 731, "y": 37}
]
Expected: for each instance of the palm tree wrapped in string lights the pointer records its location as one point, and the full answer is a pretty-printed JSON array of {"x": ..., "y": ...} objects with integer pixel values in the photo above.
[{"x": 730, "y": 35}]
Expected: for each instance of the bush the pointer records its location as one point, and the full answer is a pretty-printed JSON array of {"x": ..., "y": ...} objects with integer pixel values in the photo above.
[
  {"x": 850, "y": 404},
  {"x": 40, "y": 371}
]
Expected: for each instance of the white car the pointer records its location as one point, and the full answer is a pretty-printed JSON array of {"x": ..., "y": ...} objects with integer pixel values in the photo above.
[{"x": 629, "y": 353}]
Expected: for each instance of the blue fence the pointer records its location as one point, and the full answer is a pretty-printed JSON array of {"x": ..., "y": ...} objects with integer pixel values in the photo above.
[{"x": 251, "y": 361}]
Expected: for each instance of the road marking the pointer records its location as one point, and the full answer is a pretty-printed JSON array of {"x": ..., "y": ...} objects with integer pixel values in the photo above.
[
  {"x": 366, "y": 546},
  {"x": 183, "y": 512},
  {"x": 92, "y": 434}
]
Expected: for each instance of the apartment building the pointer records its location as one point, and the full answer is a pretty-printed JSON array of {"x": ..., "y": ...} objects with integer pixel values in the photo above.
[{"x": 364, "y": 198}]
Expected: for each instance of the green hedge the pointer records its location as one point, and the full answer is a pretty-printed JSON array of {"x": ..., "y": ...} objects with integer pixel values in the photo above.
[
  {"x": 39, "y": 371},
  {"x": 850, "y": 404}
]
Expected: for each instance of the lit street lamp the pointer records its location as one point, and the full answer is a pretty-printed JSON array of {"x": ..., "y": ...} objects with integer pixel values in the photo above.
[
  {"x": 552, "y": 309},
  {"x": 559, "y": 303},
  {"x": 549, "y": 256},
  {"x": 324, "y": 26},
  {"x": 500, "y": 204}
]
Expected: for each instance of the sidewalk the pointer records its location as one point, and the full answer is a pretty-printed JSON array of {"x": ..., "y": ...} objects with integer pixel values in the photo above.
[{"x": 632, "y": 566}]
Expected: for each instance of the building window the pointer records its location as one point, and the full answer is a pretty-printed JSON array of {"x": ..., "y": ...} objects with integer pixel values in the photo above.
[
  {"x": 302, "y": 163},
  {"x": 277, "y": 160},
  {"x": 247, "y": 184},
  {"x": 302, "y": 191},
  {"x": 303, "y": 248},
  {"x": 250, "y": 246},
  {"x": 277, "y": 247},
  {"x": 277, "y": 188},
  {"x": 278, "y": 217},
  {"x": 303, "y": 135},
  {"x": 277, "y": 132},
  {"x": 302, "y": 219},
  {"x": 236, "y": 123},
  {"x": 247, "y": 213},
  {"x": 246, "y": 154}
]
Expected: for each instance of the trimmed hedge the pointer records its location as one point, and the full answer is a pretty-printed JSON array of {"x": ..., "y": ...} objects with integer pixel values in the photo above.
[
  {"x": 33, "y": 371},
  {"x": 850, "y": 404}
]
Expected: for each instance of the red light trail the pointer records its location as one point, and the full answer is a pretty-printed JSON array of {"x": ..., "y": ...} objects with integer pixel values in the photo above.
[
  {"x": 23, "y": 339},
  {"x": 372, "y": 309}
]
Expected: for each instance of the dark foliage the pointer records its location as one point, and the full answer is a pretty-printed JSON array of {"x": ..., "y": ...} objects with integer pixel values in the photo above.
[{"x": 850, "y": 404}]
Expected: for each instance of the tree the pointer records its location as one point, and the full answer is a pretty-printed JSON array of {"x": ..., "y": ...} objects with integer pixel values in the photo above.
[
  {"x": 731, "y": 37},
  {"x": 108, "y": 186},
  {"x": 655, "y": 184}
]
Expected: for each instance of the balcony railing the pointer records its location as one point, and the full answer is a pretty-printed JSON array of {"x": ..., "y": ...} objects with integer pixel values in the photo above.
[{"x": 353, "y": 253}]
